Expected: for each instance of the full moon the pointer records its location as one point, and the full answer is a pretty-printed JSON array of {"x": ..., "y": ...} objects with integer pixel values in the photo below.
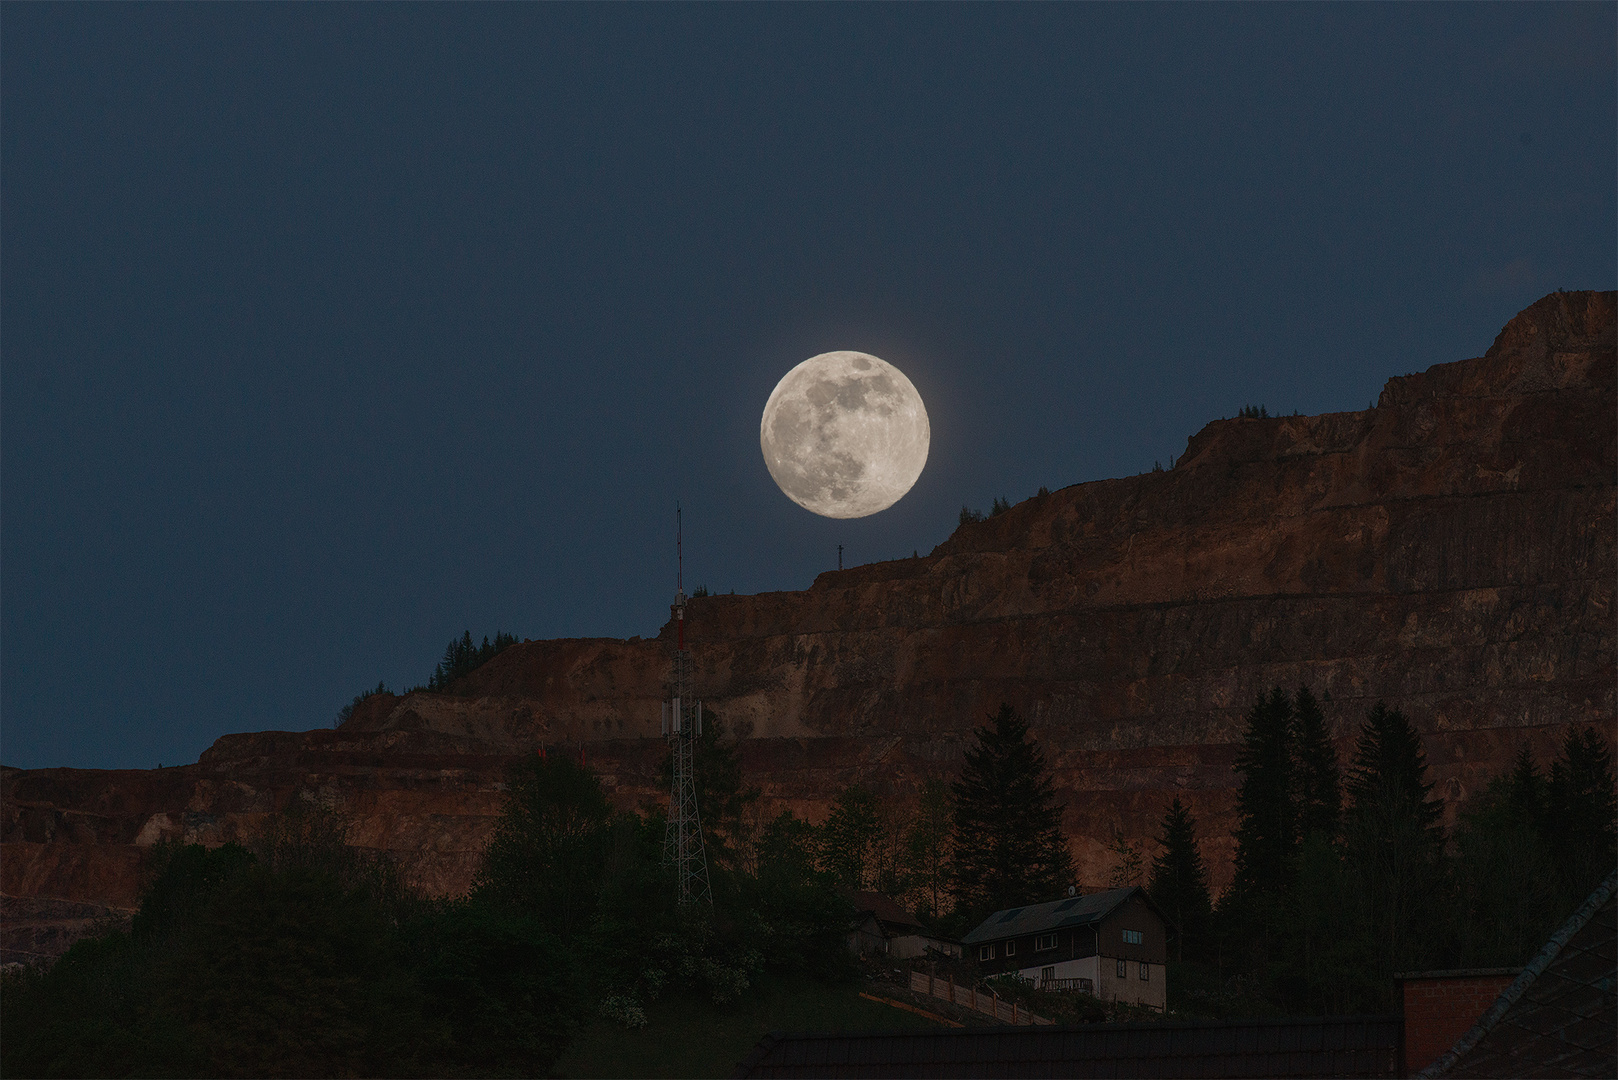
[{"x": 844, "y": 434}]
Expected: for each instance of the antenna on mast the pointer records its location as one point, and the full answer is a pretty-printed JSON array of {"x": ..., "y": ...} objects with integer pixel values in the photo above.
[{"x": 682, "y": 726}]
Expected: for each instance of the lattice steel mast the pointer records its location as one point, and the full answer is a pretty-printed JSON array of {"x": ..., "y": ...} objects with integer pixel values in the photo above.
[{"x": 682, "y": 726}]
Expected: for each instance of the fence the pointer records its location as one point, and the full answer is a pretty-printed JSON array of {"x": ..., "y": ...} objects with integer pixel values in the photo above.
[
  {"x": 946, "y": 989},
  {"x": 1083, "y": 986}
]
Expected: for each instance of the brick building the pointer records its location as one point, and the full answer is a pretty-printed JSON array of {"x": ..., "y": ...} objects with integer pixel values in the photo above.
[{"x": 1441, "y": 1006}]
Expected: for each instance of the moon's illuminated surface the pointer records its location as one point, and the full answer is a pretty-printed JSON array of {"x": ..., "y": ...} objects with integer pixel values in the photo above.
[{"x": 845, "y": 434}]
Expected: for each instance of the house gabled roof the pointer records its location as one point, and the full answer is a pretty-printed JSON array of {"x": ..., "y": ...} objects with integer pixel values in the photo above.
[
  {"x": 884, "y": 907},
  {"x": 1056, "y": 915}
]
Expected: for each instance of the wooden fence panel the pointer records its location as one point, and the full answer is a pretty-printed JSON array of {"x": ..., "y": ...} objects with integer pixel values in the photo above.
[{"x": 1008, "y": 1011}]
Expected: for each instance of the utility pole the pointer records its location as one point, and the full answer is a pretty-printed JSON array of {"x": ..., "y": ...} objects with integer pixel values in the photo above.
[
  {"x": 682, "y": 726},
  {"x": 839, "y": 556}
]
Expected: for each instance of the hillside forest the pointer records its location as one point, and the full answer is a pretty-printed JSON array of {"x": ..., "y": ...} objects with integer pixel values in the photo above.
[{"x": 298, "y": 955}]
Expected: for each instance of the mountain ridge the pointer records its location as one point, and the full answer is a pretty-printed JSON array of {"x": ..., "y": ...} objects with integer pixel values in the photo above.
[{"x": 1452, "y": 552}]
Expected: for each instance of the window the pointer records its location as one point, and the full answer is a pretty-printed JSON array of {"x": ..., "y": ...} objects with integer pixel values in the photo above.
[
  {"x": 1044, "y": 941},
  {"x": 986, "y": 952},
  {"x": 1132, "y": 937},
  {"x": 1047, "y": 975},
  {"x": 1123, "y": 969},
  {"x": 1011, "y": 948},
  {"x": 1145, "y": 972}
]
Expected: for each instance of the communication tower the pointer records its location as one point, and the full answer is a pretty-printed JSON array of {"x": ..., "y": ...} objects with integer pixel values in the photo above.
[{"x": 682, "y": 727}]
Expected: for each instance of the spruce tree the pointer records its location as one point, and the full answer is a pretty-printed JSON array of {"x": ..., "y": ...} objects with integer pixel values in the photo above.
[
  {"x": 1008, "y": 842},
  {"x": 1581, "y": 808},
  {"x": 1319, "y": 784},
  {"x": 1389, "y": 761},
  {"x": 1508, "y": 891},
  {"x": 1179, "y": 883},
  {"x": 1393, "y": 843},
  {"x": 1267, "y": 832}
]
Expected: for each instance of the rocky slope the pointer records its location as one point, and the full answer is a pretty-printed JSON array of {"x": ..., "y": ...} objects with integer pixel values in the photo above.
[{"x": 1452, "y": 552}]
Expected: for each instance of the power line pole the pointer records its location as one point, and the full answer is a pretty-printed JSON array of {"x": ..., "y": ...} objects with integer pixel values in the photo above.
[{"x": 682, "y": 726}]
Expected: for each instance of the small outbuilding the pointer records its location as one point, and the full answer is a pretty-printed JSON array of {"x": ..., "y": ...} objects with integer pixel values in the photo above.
[
  {"x": 882, "y": 927},
  {"x": 1113, "y": 944}
]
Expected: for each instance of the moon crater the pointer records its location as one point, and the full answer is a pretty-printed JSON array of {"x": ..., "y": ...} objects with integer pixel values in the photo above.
[{"x": 845, "y": 434}]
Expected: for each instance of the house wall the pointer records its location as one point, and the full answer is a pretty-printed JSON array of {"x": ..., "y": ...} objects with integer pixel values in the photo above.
[
  {"x": 1083, "y": 968},
  {"x": 910, "y": 946},
  {"x": 1135, "y": 915},
  {"x": 1153, "y": 990},
  {"x": 1071, "y": 944}
]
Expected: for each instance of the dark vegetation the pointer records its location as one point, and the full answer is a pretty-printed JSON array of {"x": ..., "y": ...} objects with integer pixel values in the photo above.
[
  {"x": 461, "y": 657},
  {"x": 1343, "y": 879},
  {"x": 298, "y": 955}
]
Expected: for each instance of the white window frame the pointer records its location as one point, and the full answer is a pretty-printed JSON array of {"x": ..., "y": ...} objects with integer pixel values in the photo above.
[
  {"x": 1145, "y": 972},
  {"x": 1123, "y": 969},
  {"x": 1045, "y": 942},
  {"x": 1011, "y": 948},
  {"x": 986, "y": 952},
  {"x": 1134, "y": 937}
]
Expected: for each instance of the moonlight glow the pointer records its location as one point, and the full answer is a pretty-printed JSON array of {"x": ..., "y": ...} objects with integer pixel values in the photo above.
[{"x": 845, "y": 434}]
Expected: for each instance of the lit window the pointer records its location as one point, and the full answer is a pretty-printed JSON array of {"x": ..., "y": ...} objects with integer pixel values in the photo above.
[
  {"x": 1044, "y": 941},
  {"x": 1011, "y": 948},
  {"x": 986, "y": 952},
  {"x": 1145, "y": 972},
  {"x": 1123, "y": 969},
  {"x": 1132, "y": 937}
]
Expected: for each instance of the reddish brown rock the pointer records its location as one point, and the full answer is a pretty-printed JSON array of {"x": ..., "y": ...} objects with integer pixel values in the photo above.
[{"x": 1451, "y": 552}]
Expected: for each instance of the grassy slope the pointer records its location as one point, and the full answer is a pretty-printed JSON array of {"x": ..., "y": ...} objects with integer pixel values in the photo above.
[{"x": 688, "y": 1036}]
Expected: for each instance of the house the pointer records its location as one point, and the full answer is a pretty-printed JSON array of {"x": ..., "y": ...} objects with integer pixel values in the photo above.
[
  {"x": 1114, "y": 944},
  {"x": 882, "y": 927}
]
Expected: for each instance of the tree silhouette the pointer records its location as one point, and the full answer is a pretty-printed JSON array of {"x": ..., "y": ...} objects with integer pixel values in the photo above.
[
  {"x": 1267, "y": 835},
  {"x": 1179, "y": 883},
  {"x": 1009, "y": 848},
  {"x": 849, "y": 837},
  {"x": 1580, "y": 810},
  {"x": 1319, "y": 783}
]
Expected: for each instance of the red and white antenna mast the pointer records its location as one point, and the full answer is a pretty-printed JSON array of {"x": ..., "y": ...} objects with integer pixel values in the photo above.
[{"x": 683, "y": 848}]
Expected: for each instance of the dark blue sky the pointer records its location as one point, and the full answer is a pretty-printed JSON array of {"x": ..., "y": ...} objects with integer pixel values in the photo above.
[{"x": 330, "y": 331}]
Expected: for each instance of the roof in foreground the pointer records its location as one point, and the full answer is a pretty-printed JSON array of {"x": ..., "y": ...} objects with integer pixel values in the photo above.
[
  {"x": 1054, "y": 915},
  {"x": 1366, "y": 1046},
  {"x": 1560, "y": 1016}
]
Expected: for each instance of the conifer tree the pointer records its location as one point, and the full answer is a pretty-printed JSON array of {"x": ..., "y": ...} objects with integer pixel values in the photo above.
[
  {"x": 1319, "y": 784},
  {"x": 1267, "y": 832},
  {"x": 1393, "y": 842},
  {"x": 1508, "y": 892},
  {"x": 1581, "y": 808},
  {"x": 1009, "y": 848},
  {"x": 1179, "y": 883}
]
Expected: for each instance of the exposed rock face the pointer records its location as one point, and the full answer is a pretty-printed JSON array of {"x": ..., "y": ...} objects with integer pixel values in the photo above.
[{"x": 1452, "y": 552}]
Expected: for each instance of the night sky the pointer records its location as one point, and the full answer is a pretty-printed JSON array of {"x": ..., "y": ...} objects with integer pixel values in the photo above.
[{"x": 332, "y": 331}]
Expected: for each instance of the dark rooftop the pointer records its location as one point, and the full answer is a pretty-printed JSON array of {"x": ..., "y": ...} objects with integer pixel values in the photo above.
[
  {"x": 1053, "y": 915},
  {"x": 1360, "y": 1046}
]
